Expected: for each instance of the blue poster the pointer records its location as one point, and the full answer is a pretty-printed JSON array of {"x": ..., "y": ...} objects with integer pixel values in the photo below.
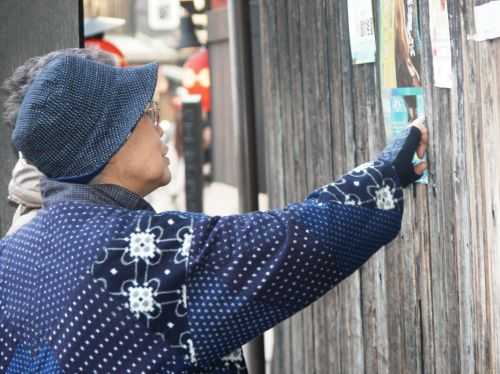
[{"x": 404, "y": 104}]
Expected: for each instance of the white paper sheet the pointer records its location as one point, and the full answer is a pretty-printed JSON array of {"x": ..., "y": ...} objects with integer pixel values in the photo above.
[
  {"x": 487, "y": 18},
  {"x": 441, "y": 44},
  {"x": 361, "y": 31}
]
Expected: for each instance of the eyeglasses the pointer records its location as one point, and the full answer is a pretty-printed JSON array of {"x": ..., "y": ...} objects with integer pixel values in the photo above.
[{"x": 153, "y": 112}]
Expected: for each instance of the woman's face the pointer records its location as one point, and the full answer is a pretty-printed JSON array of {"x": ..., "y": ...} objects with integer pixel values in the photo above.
[{"x": 141, "y": 164}]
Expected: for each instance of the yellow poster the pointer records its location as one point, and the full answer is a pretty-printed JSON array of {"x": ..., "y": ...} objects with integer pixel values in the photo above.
[{"x": 387, "y": 60}]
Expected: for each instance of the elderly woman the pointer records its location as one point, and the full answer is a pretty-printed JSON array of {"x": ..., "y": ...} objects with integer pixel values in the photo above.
[
  {"x": 98, "y": 282},
  {"x": 24, "y": 186}
]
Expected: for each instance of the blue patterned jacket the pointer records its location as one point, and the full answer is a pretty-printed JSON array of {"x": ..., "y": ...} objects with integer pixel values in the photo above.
[{"x": 100, "y": 283}]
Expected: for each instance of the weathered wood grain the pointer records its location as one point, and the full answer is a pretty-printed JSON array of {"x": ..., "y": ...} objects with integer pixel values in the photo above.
[{"x": 430, "y": 301}]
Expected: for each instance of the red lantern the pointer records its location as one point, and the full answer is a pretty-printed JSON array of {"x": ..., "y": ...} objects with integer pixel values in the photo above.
[
  {"x": 109, "y": 47},
  {"x": 218, "y": 4},
  {"x": 196, "y": 77}
]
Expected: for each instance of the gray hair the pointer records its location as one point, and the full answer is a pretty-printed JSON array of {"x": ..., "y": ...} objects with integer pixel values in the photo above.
[{"x": 15, "y": 87}]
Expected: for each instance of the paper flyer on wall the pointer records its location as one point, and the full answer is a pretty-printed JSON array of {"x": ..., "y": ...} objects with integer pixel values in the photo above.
[
  {"x": 487, "y": 21},
  {"x": 441, "y": 43},
  {"x": 361, "y": 31},
  {"x": 400, "y": 66}
]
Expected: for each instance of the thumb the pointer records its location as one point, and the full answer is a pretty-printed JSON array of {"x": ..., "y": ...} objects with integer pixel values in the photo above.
[{"x": 420, "y": 168}]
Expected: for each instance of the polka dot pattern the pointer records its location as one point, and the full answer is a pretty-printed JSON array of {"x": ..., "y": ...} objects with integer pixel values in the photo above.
[
  {"x": 253, "y": 271},
  {"x": 79, "y": 325},
  {"x": 97, "y": 332},
  {"x": 97, "y": 288},
  {"x": 9, "y": 340},
  {"x": 27, "y": 361}
]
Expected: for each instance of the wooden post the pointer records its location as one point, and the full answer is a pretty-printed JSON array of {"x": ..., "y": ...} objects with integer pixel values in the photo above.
[
  {"x": 240, "y": 48},
  {"x": 29, "y": 29},
  {"x": 193, "y": 155}
]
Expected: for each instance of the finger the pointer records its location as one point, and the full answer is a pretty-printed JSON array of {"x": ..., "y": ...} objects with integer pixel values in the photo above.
[
  {"x": 424, "y": 141},
  {"x": 420, "y": 168},
  {"x": 419, "y": 122},
  {"x": 424, "y": 138}
]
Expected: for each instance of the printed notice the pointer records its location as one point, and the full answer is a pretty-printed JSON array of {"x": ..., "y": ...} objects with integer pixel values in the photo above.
[
  {"x": 486, "y": 17},
  {"x": 441, "y": 43},
  {"x": 361, "y": 31}
]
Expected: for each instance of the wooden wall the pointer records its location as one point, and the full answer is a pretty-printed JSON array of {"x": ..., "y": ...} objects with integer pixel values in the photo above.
[{"x": 430, "y": 301}]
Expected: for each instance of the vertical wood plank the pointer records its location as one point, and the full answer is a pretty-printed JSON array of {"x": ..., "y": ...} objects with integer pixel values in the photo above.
[{"x": 429, "y": 302}]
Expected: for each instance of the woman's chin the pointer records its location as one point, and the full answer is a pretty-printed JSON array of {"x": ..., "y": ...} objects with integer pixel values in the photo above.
[{"x": 166, "y": 178}]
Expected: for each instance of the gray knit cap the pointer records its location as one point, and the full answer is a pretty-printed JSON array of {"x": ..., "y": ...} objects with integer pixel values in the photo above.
[{"x": 77, "y": 113}]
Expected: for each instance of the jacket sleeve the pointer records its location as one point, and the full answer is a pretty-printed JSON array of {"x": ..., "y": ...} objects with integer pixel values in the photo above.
[{"x": 248, "y": 272}]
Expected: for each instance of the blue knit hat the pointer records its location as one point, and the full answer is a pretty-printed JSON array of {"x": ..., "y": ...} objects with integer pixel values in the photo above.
[{"x": 77, "y": 113}]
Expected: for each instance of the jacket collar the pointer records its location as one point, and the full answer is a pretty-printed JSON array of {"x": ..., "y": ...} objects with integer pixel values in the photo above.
[{"x": 106, "y": 194}]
